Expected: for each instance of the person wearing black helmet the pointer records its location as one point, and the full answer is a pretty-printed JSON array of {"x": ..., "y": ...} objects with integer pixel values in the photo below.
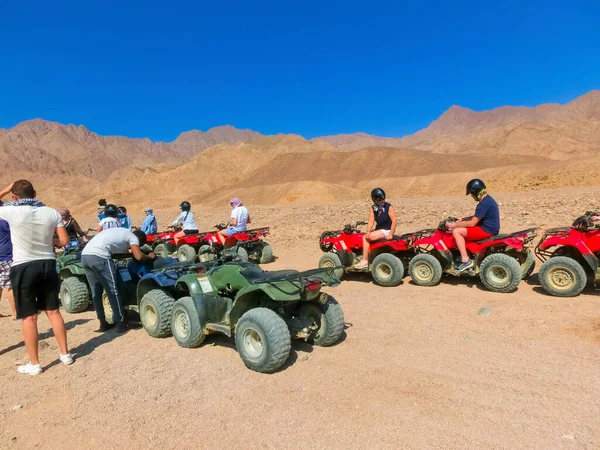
[
  {"x": 482, "y": 225},
  {"x": 110, "y": 220},
  {"x": 185, "y": 221},
  {"x": 382, "y": 224}
]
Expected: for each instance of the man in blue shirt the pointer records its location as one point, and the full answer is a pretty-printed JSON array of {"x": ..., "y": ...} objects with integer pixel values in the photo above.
[
  {"x": 482, "y": 225},
  {"x": 6, "y": 258},
  {"x": 150, "y": 225}
]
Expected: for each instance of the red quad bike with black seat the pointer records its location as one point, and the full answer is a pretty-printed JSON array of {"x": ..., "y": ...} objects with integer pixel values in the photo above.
[
  {"x": 501, "y": 261},
  {"x": 387, "y": 259},
  {"x": 570, "y": 257},
  {"x": 249, "y": 245}
]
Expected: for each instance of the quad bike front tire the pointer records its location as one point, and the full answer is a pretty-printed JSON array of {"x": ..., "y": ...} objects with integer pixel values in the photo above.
[
  {"x": 387, "y": 270},
  {"x": 329, "y": 319},
  {"x": 425, "y": 270},
  {"x": 205, "y": 254},
  {"x": 500, "y": 272},
  {"x": 262, "y": 339},
  {"x": 186, "y": 253},
  {"x": 332, "y": 260},
  {"x": 242, "y": 254},
  {"x": 74, "y": 295},
  {"x": 185, "y": 323},
  {"x": 266, "y": 254},
  {"x": 155, "y": 313},
  {"x": 562, "y": 276}
]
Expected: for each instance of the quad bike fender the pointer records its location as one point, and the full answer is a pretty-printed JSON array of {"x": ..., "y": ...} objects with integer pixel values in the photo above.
[
  {"x": 151, "y": 281},
  {"x": 189, "y": 283},
  {"x": 213, "y": 309},
  {"x": 565, "y": 241},
  {"x": 76, "y": 270},
  {"x": 252, "y": 298},
  {"x": 282, "y": 291}
]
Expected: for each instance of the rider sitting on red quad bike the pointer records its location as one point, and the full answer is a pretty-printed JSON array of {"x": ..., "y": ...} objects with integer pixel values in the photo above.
[
  {"x": 484, "y": 224},
  {"x": 570, "y": 256},
  {"x": 387, "y": 256},
  {"x": 185, "y": 221},
  {"x": 382, "y": 216},
  {"x": 238, "y": 219}
]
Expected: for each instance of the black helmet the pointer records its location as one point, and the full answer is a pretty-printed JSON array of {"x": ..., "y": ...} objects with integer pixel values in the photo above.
[
  {"x": 377, "y": 194},
  {"x": 111, "y": 210},
  {"x": 122, "y": 210},
  {"x": 475, "y": 186},
  {"x": 185, "y": 206}
]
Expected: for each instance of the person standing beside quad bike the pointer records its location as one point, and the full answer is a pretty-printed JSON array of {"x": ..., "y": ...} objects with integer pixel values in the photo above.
[
  {"x": 110, "y": 220},
  {"x": 100, "y": 270},
  {"x": 383, "y": 217},
  {"x": 185, "y": 221},
  {"x": 150, "y": 225},
  {"x": 483, "y": 224},
  {"x": 238, "y": 219},
  {"x": 6, "y": 259}
]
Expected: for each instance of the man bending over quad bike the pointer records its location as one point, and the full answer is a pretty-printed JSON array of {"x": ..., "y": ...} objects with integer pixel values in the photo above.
[
  {"x": 238, "y": 219},
  {"x": 383, "y": 217},
  {"x": 482, "y": 225},
  {"x": 101, "y": 272},
  {"x": 185, "y": 221}
]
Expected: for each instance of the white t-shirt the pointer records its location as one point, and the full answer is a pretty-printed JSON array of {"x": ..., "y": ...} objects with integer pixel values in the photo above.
[
  {"x": 240, "y": 213},
  {"x": 111, "y": 240},
  {"x": 187, "y": 219},
  {"x": 31, "y": 231},
  {"x": 109, "y": 222}
]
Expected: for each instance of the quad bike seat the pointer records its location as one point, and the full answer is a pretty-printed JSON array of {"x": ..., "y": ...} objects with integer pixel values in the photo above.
[
  {"x": 493, "y": 238},
  {"x": 255, "y": 275},
  {"x": 394, "y": 238}
]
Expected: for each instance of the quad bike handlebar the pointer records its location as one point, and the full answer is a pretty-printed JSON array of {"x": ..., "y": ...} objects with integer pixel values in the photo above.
[
  {"x": 586, "y": 222},
  {"x": 442, "y": 225}
]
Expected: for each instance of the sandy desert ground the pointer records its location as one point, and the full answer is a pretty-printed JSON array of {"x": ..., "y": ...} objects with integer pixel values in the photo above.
[{"x": 416, "y": 368}]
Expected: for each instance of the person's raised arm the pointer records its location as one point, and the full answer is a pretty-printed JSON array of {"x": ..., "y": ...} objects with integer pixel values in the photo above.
[
  {"x": 139, "y": 255},
  {"x": 6, "y": 190}
]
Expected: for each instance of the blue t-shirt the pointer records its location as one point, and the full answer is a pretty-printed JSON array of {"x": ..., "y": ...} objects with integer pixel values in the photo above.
[
  {"x": 489, "y": 215},
  {"x": 5, "y": 242}
]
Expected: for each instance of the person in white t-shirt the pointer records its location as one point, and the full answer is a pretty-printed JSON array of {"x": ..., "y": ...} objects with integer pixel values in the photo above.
[
  {"x": 33, "y": 274},
  {"x": 185, "y": 221},
  {"x": 238, "y": 220},
  {"x": 101, "y": 272},
  {"x": 110, "y": 220}
]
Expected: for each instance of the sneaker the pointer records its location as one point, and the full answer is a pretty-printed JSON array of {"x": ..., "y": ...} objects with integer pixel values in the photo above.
[
  {"x": 30, "y": 369},
  {"x": 122, "y": 327},
  {"x": 104, "y": 326},
  {"x": 361, "y": 265},
  {"x": 465, "y": 265},
  {"x": 66, "y": 359}
]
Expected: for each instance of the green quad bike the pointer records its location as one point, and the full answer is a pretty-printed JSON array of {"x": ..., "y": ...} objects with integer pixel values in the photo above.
[
  {"x": 75, "y": 293},
  {"x": 263, "y": 310}
]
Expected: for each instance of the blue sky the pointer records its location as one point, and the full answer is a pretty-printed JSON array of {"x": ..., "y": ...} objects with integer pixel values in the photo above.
[{"x": 154, "y": 69}]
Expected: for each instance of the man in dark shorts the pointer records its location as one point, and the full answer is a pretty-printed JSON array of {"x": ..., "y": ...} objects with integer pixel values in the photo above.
[
  {"x": 483, "y": 224},
  {"x": 33, "y": 274}
]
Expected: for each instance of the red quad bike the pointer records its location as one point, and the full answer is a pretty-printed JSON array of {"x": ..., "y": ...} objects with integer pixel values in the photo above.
[
  {"x": 387, "y": 259},
  {"x": 501, "y": 261},
  {"x": 163, "y": 244},
  {"x": 249, "y": 244},
  {"x": 570, "y": 257}
]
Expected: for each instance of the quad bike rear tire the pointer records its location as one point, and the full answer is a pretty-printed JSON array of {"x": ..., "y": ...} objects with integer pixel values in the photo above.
[
  {"x": 109, "y": 314},
  {"x": 500, "y": 272},
  {"x": 262, "y": 339},
  {"x": 74, "y": 295},
  {"x": 562, "y": 276},
  {"x": 155, "y": 313},
  {"x": 164, "y": 250},
  {"x": 328, "y": 317},
  {"x": 242, "y": 254},
  {"x": 529, "y": 265},
  {"x": 266, "y": 255},
  {"x": 425, "y": 270},
  {"x": 186, "y": 253},
  {"x": 185, "y": 323},
  {"x": 387, "y": 270},
  {"x": 332, "y": 260}
]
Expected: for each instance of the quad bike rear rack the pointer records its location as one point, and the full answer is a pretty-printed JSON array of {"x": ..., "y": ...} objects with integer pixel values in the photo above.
[{"x": 307, "y": 275}]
